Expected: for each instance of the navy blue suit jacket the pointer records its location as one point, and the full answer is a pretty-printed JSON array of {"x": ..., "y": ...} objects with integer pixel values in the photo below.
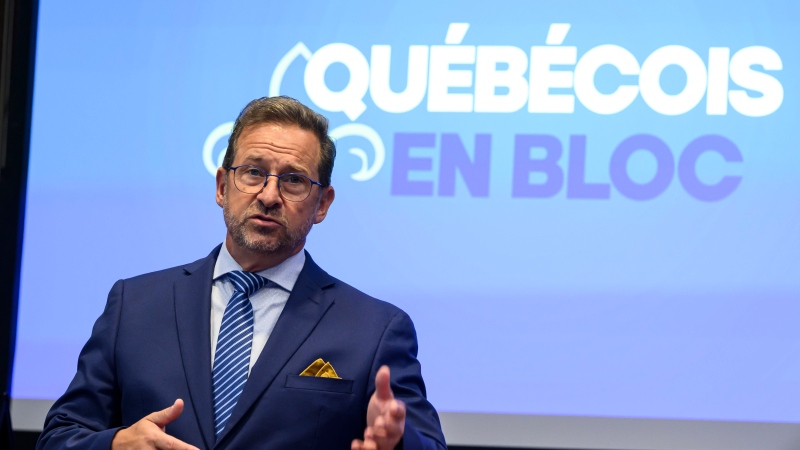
[{"x": 152, "y": 345}]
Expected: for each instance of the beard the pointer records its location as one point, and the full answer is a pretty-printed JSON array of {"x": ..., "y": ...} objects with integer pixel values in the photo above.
[{"x": 262, "y": 239}]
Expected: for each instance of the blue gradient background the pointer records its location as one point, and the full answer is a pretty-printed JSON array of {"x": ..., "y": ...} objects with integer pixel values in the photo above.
[{"x": 668, "y": 308}]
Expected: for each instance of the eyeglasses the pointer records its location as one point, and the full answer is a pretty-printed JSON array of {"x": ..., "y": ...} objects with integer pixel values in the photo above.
[{"x": 293, "y": 187}]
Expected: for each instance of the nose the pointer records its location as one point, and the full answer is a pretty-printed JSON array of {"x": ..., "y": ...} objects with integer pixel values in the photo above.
[{"x": 270, "y": 196}]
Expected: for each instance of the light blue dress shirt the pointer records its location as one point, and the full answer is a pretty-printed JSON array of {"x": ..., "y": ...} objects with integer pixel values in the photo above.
[{"x": 268, "y": 302}]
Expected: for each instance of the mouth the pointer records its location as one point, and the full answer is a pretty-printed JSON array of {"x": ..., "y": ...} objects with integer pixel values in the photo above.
[{"x": 265, "y": 221}]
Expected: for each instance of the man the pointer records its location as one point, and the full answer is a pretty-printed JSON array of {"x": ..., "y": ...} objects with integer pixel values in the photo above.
[{"x": 253, "y": 346}]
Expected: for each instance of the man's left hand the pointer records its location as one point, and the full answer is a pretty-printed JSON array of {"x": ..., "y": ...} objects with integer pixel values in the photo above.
[{"x": 386, "y": 417}]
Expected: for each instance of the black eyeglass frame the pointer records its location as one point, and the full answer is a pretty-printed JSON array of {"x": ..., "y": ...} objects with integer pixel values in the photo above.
[{"x": 266, "y": 180}]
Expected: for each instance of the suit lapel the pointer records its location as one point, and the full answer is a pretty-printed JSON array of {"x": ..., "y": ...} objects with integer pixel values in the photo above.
[
  {"x": 193, "y": 316},
  {"x": 303, "y": 310}
]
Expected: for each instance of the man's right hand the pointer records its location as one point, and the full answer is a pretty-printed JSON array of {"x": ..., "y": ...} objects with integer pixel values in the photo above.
[{"x": 149, "y": 433}]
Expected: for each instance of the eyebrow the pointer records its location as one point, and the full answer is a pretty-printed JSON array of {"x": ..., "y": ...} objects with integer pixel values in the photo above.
[{"x": 292, "y": 168}]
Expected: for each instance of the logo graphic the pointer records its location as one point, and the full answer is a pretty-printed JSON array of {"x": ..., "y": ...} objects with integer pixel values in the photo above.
[{"x": 539, "y": 79}]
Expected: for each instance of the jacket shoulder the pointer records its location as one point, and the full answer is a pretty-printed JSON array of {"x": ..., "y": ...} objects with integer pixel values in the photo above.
[
  {"x": 170, "y": 274},
  {"x": 345, "y": 293}
]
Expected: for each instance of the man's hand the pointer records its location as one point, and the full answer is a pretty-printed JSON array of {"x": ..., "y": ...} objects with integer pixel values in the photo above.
[
  {"x": 386, "y": 417},
  {"x": 148, "y": 433}
]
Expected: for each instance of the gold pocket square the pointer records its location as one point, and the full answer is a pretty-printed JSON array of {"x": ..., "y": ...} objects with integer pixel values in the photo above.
[{"x": 320, "y": 368}]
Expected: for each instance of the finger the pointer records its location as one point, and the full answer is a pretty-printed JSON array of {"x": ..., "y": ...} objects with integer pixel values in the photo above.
[
  {"x": 382, "y": 387},
  {"x": 395, "y": 419},
  {"x": 167, "y": 415},
  {"x": 370, "y": 444},
  {"x": 357, "y": 444},
  {"x": 369, "y": 440},
  {"x": 388, "y": 434},
  {"x": 167, "y": 442},
  {"x": 397, "y": 410},
  {"x": 379, "y": 429},
  {"x": 391, "y": 425}
]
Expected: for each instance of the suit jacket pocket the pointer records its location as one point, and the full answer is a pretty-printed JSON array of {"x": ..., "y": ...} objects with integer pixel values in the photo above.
[{"x": 319, "y": 384}]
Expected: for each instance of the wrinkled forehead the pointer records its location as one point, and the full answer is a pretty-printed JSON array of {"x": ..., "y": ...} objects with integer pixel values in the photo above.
[
  {"x": 249, "y": 127},
  {"x": 301, "y": 142}
]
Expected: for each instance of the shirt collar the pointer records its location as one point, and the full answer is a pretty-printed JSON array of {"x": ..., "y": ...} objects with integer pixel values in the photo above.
[{"x": 284, "y": 274}]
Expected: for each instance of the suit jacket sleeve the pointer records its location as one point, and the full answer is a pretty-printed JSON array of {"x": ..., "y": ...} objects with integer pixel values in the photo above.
[
  {"x": 398, "y": 350},
  {"x": 87, "y": 415}
]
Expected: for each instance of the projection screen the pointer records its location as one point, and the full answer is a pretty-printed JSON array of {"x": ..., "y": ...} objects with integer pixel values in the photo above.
[{"x": 589, "y": 209}]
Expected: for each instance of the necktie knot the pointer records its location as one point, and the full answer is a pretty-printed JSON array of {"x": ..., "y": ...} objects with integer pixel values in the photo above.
[{"x": 246, "y": 282}]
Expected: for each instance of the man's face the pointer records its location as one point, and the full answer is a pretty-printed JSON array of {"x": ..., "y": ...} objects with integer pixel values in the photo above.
[{"x": 265, "y": 223}]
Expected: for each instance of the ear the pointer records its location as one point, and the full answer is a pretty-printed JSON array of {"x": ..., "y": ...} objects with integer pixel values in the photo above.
[
  {"x": 221, "y": 185},
  {"x": 328, "y": 194}
]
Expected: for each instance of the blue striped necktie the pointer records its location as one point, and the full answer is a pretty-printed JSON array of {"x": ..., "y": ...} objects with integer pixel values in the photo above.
[{"x": 232, "y": 356}]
